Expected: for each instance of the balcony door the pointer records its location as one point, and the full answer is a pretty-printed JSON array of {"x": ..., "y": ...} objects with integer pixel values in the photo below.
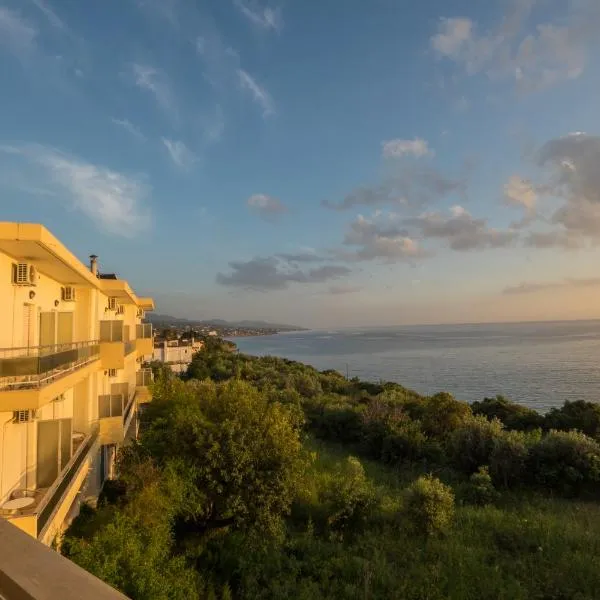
[
  {"x": 54, "y": 449},
  {"x": 48, "y": 330}
]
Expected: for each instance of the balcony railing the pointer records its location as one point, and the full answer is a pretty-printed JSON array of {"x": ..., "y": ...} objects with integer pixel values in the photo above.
[
  {"x": 34, "y": 367},
  {"x": 143, "y": 330},
  {"x": 144, "y": 377},
  {"x": 54, "y": 495},
  {"x": 47, "y": 501},
  {"x": 129, "y": 347}
]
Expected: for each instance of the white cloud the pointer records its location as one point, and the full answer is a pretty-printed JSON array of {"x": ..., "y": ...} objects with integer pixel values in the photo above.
[
  {"x": 452, "y": 35},
  {"x": 266, "y": 206},
  {"x": 180, "y": 154},
  {"x": 380, "y": 238},
  {"x": 17, "y": 35},
  {"x": 520, "y": 192},
  {"x": 259, "y": 94},
  {"x": 550, "y": 53},
  {"x": 114, "y": 201},
  {"x": 398, "y": 148},
  {"x": 461, "y": 231},
  {"x": 154, "y": 81},
  {"x": 129, "y": 127},
  {"x": 266, "y": 18}
]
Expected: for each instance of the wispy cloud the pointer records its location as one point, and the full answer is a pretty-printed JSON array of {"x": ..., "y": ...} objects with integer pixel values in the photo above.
[
  {"x": 155, "y": 81},
  {"x": 532, "y": 287},
  {"x": 17, "y": 35},
  {"x": 260, "y": 95},
  {"x": 548, "y": 54},
  {"x": 130, "y": 128},
  {"x": 271, "y": 273},
  {"x": 180, "y": 154},
  {"x": 50, "y": 15},
  {"x": 338, "y": 290},
  {"x": 266, "y": 18},
  {"x": 399, "y": 148},
  {"x": 266, "y": 206},
  {"x": 113, "y": 200}
]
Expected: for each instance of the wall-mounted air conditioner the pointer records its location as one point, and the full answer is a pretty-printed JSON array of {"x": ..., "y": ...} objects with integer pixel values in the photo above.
[
  {"x": 68, "y": 294},
  {"x": 24, "y": 274},
  {"x": 112, "y": 304},
  {"x": 23, "y": 416}
]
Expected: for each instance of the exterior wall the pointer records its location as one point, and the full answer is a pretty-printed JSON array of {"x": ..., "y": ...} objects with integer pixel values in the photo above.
[{"x": 70, "y": 394}]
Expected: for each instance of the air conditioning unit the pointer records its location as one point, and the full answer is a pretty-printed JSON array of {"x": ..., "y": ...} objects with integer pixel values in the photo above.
[
  {"x": 68, "y": 294},
  {"x": 120, "y": 309},
  {"x": 23, "y": 416},
  {"x": 112, "y": 372},
  {"x": 24, "y": 274},
  {"x": 112, "y": 304},
  {"x": 140, "y": 313}
]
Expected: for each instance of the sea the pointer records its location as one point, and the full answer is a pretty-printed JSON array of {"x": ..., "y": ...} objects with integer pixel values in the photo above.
[{"x": 539, "y": 365}]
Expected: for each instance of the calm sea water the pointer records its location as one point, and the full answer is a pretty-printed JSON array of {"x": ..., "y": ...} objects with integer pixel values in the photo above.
[{"x": 537, "y": 364}]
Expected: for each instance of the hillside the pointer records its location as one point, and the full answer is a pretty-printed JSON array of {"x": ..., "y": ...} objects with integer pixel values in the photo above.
[{"x": 158, "y": 319}]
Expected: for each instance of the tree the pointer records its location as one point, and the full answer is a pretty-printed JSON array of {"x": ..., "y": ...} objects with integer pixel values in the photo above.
[
  {"x": 471, "y": 445},
  {"x": 241, "y": 454},
  {"x": 512, "y": 415},
  {"x": 580, "y": 415}
]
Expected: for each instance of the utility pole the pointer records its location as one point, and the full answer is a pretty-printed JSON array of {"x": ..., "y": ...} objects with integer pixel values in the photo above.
[{"x": 347, "y": 373}]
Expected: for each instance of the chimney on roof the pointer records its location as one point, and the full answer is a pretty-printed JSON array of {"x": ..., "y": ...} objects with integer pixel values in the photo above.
[{"x": 94, "y": 264}]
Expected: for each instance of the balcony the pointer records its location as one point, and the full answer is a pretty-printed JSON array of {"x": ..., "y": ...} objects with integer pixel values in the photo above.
[
  {"x": 31, "y": 571},
  {"x": 44, "y": 517},
  {"x": 117, "y": 422},
  {"x": 144, "y": 339},
  {"x": 144, "y": 378},
  {"x": 31, "y": 377}
]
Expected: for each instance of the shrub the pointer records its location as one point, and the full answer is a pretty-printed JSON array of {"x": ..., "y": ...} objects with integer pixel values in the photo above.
[
  {"x": 443, "y": 414},
  {"x": 566, "y": 461},
  {"x": 508, "y": 460},
  {"x": 429, "y": 505},
  {"x": 405, "y": 442},
  {"x": 512, "y": 415},
  {"x": 471, "y": 444},
  {"x": 580, "y": 415},
  {"x": 350, "y": 497},
  {"x": 480, "y": 489}
]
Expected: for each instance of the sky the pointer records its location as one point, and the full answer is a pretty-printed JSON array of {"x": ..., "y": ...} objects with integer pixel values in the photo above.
[{"x": 323, "y": 164}]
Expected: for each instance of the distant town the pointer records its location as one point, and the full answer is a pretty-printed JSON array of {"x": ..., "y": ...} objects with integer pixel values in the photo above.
[{"x": 176, "y": 328}]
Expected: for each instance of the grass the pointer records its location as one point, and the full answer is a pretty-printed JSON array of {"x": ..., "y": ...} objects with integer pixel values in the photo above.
[{"x": 527, "y": 546}]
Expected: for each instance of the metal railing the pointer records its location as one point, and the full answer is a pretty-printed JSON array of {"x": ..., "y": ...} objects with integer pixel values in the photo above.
[
  {"x": 127, "y": 412},
  {"x": 54, "y": 495},
  {"x": 144, "y": 377},
  {"x": 34, "y": 367},
  {"x": 143, "y": 330}
]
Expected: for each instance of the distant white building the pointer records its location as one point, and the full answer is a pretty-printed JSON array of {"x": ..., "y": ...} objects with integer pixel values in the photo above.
[{"x": 176, "y": 353}]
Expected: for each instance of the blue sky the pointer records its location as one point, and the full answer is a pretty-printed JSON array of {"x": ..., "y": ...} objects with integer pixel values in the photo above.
[{"x": 318, "y": 163}]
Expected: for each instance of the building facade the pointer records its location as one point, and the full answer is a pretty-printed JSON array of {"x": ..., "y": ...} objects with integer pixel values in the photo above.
[
  {"x": 71, "y": 348},
  {"x": 177, "y": 354}
]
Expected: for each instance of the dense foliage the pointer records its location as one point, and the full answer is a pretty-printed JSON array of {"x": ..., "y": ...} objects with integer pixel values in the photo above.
[{"x": 265, "y": 478}]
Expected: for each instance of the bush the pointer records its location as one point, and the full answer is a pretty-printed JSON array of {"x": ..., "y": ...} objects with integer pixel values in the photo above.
[
  {"x": 405, "y": 442},
  {"x": 349, "y": 498},
  {"x": 512, "y": 415},
  {"x": 443, "y": 414},
  {"x": 508, "y": 460},
  {"x": 429, "y": 506},
  {"x": 580, "y": 415},
  {"x": 480, "y": 489},
  {"x": 471, "y": 444},
  {"x": 566, "y": 461}
]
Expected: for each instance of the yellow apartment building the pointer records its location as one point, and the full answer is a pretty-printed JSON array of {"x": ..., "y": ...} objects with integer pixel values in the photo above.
[{"x": 72, "y": 341}]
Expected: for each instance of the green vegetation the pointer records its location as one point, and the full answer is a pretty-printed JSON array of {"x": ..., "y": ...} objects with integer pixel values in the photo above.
[{"x": 264, "y": 478}]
